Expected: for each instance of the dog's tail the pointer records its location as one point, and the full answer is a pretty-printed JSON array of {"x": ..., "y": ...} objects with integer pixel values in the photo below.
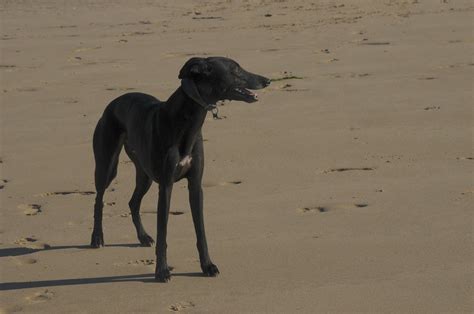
[{"x": 107, "y": 144}]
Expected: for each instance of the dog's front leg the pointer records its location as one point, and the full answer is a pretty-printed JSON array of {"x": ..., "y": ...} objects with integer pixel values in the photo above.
[
  {"x": 162, "y": 272},
  {"x": 196, "y": 202}
]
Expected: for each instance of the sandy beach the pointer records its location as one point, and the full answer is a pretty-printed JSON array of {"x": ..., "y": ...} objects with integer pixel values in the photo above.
[{"x": 347, "y": 188}]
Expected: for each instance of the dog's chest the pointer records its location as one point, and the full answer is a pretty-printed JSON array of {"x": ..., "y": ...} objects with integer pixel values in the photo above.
[{"x": 182, "y": 167}]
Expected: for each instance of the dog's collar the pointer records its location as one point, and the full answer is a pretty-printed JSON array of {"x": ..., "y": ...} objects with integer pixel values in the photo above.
[
  {"x": 212, "y": 108},
  {"x": 208, "y": 107},
  {"x": 190, "y": 89}
]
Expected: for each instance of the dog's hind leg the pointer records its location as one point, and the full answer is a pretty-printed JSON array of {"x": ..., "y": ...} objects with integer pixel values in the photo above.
[
  {"x": 108, "y": 141},
  {"x": 142, "y": 185}
]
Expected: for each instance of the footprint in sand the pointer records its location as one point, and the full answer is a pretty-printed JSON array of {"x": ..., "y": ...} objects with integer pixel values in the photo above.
[
  {"x": 24, "y": 261},
  {"x": 269, "y": 50},
  {"x": 64, "y": 26},
  {"x": 313, "y": 209},
  {"x": 207, "y": 18},
  {"x": 374, "y": 43},
  {"x": 330, "y": 207},
  {"x": 82, "y": 49},
  {"x": 41, "y": 296},
  {"x": 27, "y": 89},
  {"x": 7, "y": 37},
  {"x": 290, "y": 88},
  {"x": 32, "y": 243},
  {"x": 138, "y": 262},
  {"x": 432, "y": 108},
  {"x": 8, "y": 67},
  {"x": 356, "y": 75},
  {"x": 71, "y": 101},
  {"x": 30, "y": 209},
  {"x": 468, "y": 192},
  {"x": 465, "y": 158},
  {"x": 349, "y": 169},
  {"x": 3, "y": 183},
  {"x": 211, "y": 184},
  {"x": 75, "y": 192},
  {"x": 138, "y": 33},
  {"x": 141, "y": 262},
  {"x": 180, "y": 306}
]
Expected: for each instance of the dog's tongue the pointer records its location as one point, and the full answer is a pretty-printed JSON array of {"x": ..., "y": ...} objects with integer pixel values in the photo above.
[{"x": 254, "y": 95}]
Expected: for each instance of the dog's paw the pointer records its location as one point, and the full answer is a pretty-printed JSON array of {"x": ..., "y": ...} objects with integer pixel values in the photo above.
[
  {"x": 145, "y": 240},
  {"x": 97, "y": 239},
  {"x": 210, "y": 270},
  {"x": 162, "y": 274}
]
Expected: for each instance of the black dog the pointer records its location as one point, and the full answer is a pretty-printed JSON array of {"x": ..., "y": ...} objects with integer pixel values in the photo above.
[{"x": 164, "y": 141}]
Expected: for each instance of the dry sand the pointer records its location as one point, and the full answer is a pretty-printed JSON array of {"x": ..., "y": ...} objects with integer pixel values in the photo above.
[{"x": 347, "y": 190}]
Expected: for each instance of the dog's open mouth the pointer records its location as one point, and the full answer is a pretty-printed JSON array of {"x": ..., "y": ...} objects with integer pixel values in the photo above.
[{"x": 244, "y": 94}]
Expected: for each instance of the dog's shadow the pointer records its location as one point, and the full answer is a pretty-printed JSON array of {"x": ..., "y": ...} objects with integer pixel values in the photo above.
[{"x": 18, "y": 251}]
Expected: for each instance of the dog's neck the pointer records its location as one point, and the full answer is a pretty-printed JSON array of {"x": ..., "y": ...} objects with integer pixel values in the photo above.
[
  {"x": 178, "y": 108},
  {"x": 178, "y": 102}
]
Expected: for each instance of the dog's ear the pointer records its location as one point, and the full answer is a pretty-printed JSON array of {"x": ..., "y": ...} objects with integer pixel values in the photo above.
[
  {"x": 194, "y": 67},
  {"x": 190, "y": 89}
]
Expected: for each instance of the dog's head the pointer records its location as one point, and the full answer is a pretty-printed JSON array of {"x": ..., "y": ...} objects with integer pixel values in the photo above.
[{"x": 208, "y": 80}]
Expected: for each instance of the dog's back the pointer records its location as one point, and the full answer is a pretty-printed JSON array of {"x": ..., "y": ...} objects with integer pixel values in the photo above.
[{"x": 130, "y": 108}]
